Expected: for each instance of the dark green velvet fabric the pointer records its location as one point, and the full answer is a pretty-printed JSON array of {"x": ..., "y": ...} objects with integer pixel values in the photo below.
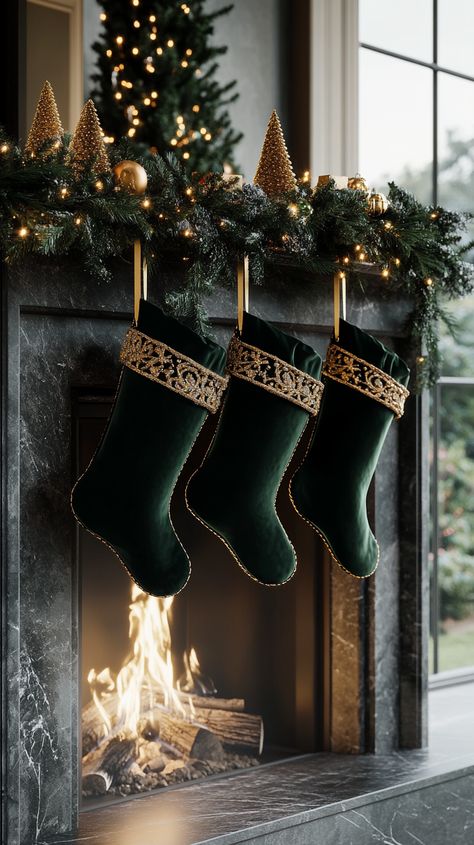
[
  {"x": 234, "y": 491},
  {"x": 124, "y": 496},
  {"x": 330, "y": 488}
]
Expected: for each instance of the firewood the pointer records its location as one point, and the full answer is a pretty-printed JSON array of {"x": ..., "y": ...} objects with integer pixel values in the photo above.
[
  {"x": 192, "y": 740},
  {"x": 103, "y": 766},
  {"x": 234, "y": 729}
]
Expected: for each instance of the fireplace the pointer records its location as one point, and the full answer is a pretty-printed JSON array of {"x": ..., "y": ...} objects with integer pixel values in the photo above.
[
  {"x": 178, "y": 689},
  {"x": 327, "y": 662}
]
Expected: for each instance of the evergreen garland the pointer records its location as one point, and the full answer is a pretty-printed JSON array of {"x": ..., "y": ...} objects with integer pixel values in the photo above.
[{"x": 202, "y": 223}]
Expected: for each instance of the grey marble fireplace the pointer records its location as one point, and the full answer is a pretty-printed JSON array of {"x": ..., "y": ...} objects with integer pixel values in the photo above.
[{"x": 358, "y": 649}]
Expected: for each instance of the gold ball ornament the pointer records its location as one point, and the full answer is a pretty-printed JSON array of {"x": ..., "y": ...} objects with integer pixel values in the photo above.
[
  {"x": 357, "y": 183},
  {"x": 131, "y": 176},
  {"x": 378, "y": 203}
]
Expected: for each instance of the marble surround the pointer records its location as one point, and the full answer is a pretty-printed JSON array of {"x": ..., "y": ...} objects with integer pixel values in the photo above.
[{"x": 61, "y": 330}]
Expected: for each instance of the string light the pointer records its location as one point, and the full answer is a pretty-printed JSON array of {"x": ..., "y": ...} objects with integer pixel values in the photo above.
[
  {"x": 154, "y": 94},
  {"x": 159, "y": 51},
  {"x": 131, "y": 132},
  {"x": 118, "y": 95},
  {"x": 203, "y": 130},
  {"x": 434, "y": 215},
  {"x": 189, "y": 192},
  {"x": 184, "y": 63},
  {"x": 135, "y": 51},
  {"x": 306, "y": 176},
  {"x": 103, "y": 16},
  {"x": 420, "y": 359},
  {"x": 146, "y": 203},
  {"x": 119, "y": 39},
  {"x": 4, "y": 148},
  {"x": 99, "y": 185},
  {"x": 388, "y": 224},
  {"x": 152, "y": 18},
  {"x": 185, "y": 8},
  {"x": 108, "y": 53},
  {"x": 357, "y": 248},
  {"x": 196, "y": 108},
  {"x": 153, "y": 36},
  {"x": 23, "y": 232},
  {"x": 173, "y": 142},
  {"x": 428, "y": 282},
  {"x": 78, "y": 221},
  {"x": 136, "y": 24},
  {"x": 63, "y": 193},
  {"x": 147, "y": 101},
  {"x": 396, "y": 262},
  {"x": 189, "y": 52},
  {"x": 346, "y": 259},
  {"x": 186, "y": 155},
  {"x": 170, "y": 42},
  {"x": 207, "y": 136},
  {"x": 293, "y": 209},
  {"x": 361, "y": 256},
  {"x": 187, "y": 233},
  {"x": 385, "y": 273},
  {"x": 150, "y": 68},
  {"x": 135, "y": 2}
]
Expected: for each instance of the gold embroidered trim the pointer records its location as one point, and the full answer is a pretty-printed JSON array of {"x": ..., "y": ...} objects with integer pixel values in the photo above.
[
  {"x": 160, "y": 363},
  {"x": 348, "y": 369},
  {"x": 264, "y": 370}
]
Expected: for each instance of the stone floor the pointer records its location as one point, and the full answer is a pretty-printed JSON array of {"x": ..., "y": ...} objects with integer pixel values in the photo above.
[{"x": 408, "y": 798}]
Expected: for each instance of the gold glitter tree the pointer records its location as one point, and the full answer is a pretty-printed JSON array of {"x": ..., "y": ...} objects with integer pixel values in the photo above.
[
  {"x": 87, "y": 150},
  {"x": 275, "y": 172},
  {"x": 46, "y": 126}
]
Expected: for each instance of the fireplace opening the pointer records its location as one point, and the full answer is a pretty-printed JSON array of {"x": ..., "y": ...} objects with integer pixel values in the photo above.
[{"x": 225, "y": 676}]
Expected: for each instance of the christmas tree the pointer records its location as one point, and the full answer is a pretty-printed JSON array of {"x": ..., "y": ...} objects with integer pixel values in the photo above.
[{"x": 156, "y": 80}]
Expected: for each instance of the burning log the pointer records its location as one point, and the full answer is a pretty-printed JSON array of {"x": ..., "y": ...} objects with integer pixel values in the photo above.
[
  {"x": 234, "y": 729},
  {"x": 191, "y": 739},
  {"x": 103, "y": 766}
]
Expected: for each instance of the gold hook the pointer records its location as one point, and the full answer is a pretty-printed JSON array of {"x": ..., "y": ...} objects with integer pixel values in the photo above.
[
  {"x": 242, "y": 289},
  {"x": 140, "y": 278},
  {"x": 339, "y": 288}
]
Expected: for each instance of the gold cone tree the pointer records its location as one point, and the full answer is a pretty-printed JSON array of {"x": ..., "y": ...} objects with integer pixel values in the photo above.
[
  {"x": 87, "y": 150},
  {"x": 46, "y": 129},
  {"x": 275, "y": 173}
]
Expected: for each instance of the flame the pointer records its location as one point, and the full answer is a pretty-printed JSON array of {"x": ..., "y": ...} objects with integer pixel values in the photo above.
[{"x": 148, "y": 671}]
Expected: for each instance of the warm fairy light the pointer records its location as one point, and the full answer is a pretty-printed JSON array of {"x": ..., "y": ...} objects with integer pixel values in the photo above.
[
  {"x": 184, "y": 63},
  {"x": 161, "y": 216},
  {"x": 203, "y": 130},
  {"x": 189, "y": 52},
  {"x": 196, "y": 108},
  {"x": 108, "y": 53},
  {"x": 187, "y": 233},
  {"x": 207, "y": 136},
  {"x": 135, "y": 51},
  {"x": 136, "y": 24},
  {"x": 146, "y": 203},
  {"x": 185, "y": 8},
  {"x": 434, "y": 215},
  {"x": 63, "y": 193},
  {"x": 346, "y": 259},
  {"x": 131, "y": 132},
  {"x": 159, "y": 51},
  {"x": 126, "y": 84},
  {"x": 361, "y": 256},
  {"x": 150, "y": 68},
  {"x": 109, "y": 139},
  {"x": 78, "y": 221},
  {"x": 342, "y": 276},
  {"x": 385, "y": 273},
  {"x": 118, "y": 95},
  {"x": 173, "y": 142},
  {"x": 23, "y": 232},
  {"x": 285, "y": 238},
  {"x": 357, "y": 248},
  {"x": 179, "y": 119},
  {"x": 306, "y": 176},
  {"x": 147, "y": 101},
  {"x": 428, "y": 282},
  {"x": 154, "y": 94},
  {"x": 103, "y": 16},
  {"x": 135, "y": 2},
  {"x": 99, "y": 185},
  {"x": 119, "y": 39},
  {"x": 293, "y": 209},
  {"x": 396, "y": 262},
  {"x": 198, "y": 72},
  {"x": 388, "y": 224},
  {"x": 186, "y": 155},
  {"x": 189, "y": 192},
  {"x": 135, "y": 121},
  {"x": 170, "y": 42},
  {"x": 152, "y": 18}
]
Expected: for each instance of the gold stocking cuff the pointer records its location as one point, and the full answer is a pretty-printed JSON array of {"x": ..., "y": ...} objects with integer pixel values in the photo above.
[
  {"x": 159, "y": 363},
  {"x": 271, "y": 373},
  {"x": 348, "y": 369}
]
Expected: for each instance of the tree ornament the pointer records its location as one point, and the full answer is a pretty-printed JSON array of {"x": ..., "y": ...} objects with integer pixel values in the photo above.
[
  {"x": 131, "y": 176},
  {"x": 275, "y": 173},
  {"x": 87, "y": 150},
  {"x": 46, "y": 126},
  {"x": 357, "y": 183},
  {"x": 378, "y": 203}
]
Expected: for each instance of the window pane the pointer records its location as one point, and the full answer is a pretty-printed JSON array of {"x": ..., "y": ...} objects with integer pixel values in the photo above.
[
  {"x": 396, "y": 123},
  {"x": 403, "y": 27},
  {"x": 456, "y": 524},
  {"x": 456, "y": 35},
  {"x": 456, "y": 142}
]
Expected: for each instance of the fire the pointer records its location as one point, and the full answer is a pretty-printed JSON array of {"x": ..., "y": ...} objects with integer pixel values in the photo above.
[{"x": 147, "y": 676}]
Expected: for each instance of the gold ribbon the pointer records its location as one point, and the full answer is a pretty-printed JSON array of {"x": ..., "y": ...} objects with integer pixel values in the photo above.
[{"x": 348, "y": 369}]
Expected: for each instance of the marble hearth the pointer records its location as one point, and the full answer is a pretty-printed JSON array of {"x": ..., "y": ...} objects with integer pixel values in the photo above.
[{"x": 360, "y": 681}]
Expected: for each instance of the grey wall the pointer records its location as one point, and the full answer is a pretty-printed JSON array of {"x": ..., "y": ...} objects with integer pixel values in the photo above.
[{"x": 254, "y": 34}]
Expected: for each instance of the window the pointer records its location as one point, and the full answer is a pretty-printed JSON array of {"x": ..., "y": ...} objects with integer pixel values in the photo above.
[{"x": 416, "y": 119}]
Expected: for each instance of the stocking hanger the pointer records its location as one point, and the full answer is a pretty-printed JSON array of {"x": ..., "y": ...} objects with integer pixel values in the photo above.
[
  {"x": 339, "y": 293},
  {"x": 242, "y": 289},
  {"x": 140, "y": 277}
]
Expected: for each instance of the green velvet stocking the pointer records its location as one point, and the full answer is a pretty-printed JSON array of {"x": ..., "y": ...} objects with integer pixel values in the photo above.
[
  {"x": 124, "y": 495},
  {"x": 330, "y": 489},
  {"x": 234, "y": 491}
]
